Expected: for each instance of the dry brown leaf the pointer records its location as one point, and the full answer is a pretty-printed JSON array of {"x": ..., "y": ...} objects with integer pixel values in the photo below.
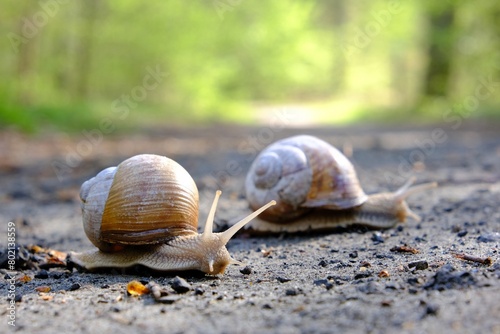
[{"x": 24, "y": 279}]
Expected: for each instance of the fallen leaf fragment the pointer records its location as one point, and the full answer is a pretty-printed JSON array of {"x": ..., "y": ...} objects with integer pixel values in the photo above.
[
  {"x": 24, "y": 279},
  {"x": 43, "y": 288},
  {"x": 136, "y": 288},
  {"x": 405, "y": 249}
]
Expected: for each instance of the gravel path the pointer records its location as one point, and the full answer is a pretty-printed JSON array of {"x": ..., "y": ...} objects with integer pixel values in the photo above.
[{"x": 406, "y": 278}]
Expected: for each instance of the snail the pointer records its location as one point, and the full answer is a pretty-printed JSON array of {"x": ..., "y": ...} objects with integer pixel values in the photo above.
[
  {"x": 316, "y": 188},
  {"x": 145, "y": 211}
]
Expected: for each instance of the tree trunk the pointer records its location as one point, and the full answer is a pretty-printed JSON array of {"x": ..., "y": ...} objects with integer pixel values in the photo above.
[
  {"x": 440, "y": 52},
  {"x": 84, "y": 57}
]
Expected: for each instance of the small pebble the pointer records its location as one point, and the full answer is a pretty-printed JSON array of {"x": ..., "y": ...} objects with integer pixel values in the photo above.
[
  {"x": 291, "y": 292},
  {"x": 353, "y": 255},
  {"x": 246, "y": 271},
  {"x": 42, "y": 274},
  {"x": 419, "y": 265},
  {"x": 462, "y": 234},
  {"x": 74, "y": 287},
  {"x": 377, "y": 238},
  {"x": 363, "y": 274},
  {"x": 199, "y": 291},
  {"x": 283, "y": 279},
  {"x": 180, "y": 285},
  {"x": 322, "y": 263}
]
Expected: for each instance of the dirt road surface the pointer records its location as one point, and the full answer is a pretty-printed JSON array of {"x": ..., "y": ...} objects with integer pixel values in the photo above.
[{"x": 339, "y": 282}]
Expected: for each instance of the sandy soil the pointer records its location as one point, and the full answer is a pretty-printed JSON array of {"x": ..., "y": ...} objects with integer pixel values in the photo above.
[{"x": 339, "y": 282}]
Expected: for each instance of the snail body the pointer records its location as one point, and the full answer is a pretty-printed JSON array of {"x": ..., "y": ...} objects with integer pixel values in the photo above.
[
  {"x": 316, "y": 188},
  {"x": 145, "y": 212}
]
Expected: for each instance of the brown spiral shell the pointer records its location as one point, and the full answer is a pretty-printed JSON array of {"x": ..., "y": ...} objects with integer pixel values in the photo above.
[
  {"x": 300, "y": 173},
  {"x": 147, "y": 199}
]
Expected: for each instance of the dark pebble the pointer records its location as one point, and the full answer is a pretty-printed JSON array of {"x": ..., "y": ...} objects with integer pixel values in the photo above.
[
  {"x": 246, "y": 271},
  {"x": 462, "y": 234},
  {"x": 353, "y": 255},
  {"x": 377, "y": 238},
  {"x": 327, "y": 284},
  {"x": 420, "y": 239},
  {"x": 291, "y": 292},
  {"x": 419, "y": 265},
  {"x": 18, "y": 298},
  {"x": 56, "y": 275},
  {"x": 75, "y": 286},
  {"x": 431, "y": 309},
  {"x": 283, "y": 279},
  {"x": 267, "y": 307},
  {"x": 199, "y": 291},
  {"x": 322, "y": 263},
  {"x": 42, "y": 274},
  {"x": 180, "y": 285},
  {"x": 363, "y": 274}
]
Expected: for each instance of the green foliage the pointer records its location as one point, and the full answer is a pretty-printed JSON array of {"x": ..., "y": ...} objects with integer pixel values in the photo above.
[{"x": 68, "y": 65}]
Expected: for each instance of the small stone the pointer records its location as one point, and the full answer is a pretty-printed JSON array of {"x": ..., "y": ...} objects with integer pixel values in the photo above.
[
  {"x": 431, "y": 309},
  {"x": 42, "y": 274},
  {"x": 283, "y": 279},
  {"x": 353, "y": 255},
  {"x": 363, "y": 274},
  {"x": 291, "y": 292},
  {"x": 180, "y": 285},
  {"x": 74, "y": 287},
  {"x": 377, "y": 238},
  {"x": 246, "y": 271},
  {"x": 462, "y": 234},
  {"x": 419, "y": 265},
  {"x": 267, "y": 307},
  {"x": 199, "y": 291},
  {"x": 322, "y": 263}
]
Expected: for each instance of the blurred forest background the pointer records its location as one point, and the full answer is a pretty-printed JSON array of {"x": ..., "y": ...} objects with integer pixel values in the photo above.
[{"x": 68, "y": 65}]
